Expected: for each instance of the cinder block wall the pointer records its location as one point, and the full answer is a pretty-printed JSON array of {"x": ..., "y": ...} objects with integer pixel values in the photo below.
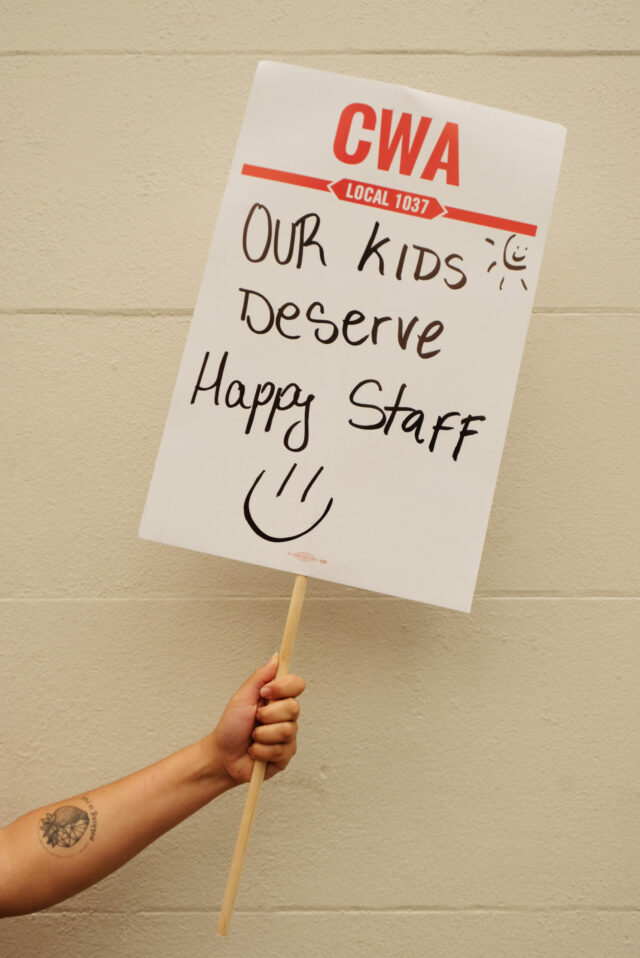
[{"x": 466, "y": 786}]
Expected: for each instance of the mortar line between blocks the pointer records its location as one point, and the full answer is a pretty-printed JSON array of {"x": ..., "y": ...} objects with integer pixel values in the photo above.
[
  {"x": 158, "y": 312},
  {"x": 373, "y": 597},
  {"x": 328, "y": 51},
  {"x": 364, "y": 910}
]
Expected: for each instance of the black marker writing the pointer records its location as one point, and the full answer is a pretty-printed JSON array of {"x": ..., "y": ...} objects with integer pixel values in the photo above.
[
  {"x": 355, "y": 328},
  {"x": 273, "y": 399},
  {"x": 260, "y": 236},
  {"x": 426, "y": 265},
  {"x": 411, "y": 419}
]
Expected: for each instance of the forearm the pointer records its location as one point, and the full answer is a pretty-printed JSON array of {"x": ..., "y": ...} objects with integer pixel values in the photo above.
[{"x": 56, "y": 851}]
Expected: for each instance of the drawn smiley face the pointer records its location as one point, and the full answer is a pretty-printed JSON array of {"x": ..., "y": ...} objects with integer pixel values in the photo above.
[
  {"x": 514, "y": 254},
  {"x": 270, "y": 536}
]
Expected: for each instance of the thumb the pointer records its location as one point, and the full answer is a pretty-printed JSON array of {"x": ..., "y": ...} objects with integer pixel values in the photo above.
[{"x": 249, "y": 693}]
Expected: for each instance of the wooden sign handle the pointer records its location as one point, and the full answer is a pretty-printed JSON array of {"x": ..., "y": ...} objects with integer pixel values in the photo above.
[{"x": 259, "y": 768}]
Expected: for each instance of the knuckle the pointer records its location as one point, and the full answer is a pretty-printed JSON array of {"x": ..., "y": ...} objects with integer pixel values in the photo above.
[{"x": 263, "y": 714}]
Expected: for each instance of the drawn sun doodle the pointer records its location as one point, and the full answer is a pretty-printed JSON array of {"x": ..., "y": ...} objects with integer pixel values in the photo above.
[
  {"x": 513, "y": 258},
  {"x": 270, "y": 536},
  {"x": 64, "y": 827}
]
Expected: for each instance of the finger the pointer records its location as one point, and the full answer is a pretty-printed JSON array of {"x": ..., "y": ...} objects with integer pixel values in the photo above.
[
  {"x": 280, "y": 733},
  {"x": 279, "y": 755},
  {"x": 287, "y": 686},
  {"x": 249, "y": 693},
  {"x": 284, "y": 710},
  {"x": 273, "y": 768}
]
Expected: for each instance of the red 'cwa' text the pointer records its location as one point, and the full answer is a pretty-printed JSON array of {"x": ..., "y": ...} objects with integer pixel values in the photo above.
[{"x": 359, "y": 124}]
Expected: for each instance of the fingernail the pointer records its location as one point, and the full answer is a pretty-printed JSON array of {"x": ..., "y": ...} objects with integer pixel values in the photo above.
[
  {"x": 266, "y": 692},
  {"x": 274, "y": 658}
]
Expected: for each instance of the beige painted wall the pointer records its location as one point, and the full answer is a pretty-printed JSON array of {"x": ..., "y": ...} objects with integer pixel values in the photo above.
[{"x": 467, "y": 786}]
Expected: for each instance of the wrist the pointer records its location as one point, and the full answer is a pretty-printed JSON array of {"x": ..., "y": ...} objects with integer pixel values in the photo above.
[{"x": 209, "y": 766}]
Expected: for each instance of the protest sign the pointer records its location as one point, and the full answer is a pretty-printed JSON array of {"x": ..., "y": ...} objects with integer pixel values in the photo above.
[{"x": 345, "y": 390}]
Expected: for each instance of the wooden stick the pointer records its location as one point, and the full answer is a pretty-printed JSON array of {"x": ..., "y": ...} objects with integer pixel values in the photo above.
[{"x": 259, "y": 768}]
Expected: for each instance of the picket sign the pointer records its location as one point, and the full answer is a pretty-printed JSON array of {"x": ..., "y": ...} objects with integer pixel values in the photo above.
[{"x": 345, "y": 389}]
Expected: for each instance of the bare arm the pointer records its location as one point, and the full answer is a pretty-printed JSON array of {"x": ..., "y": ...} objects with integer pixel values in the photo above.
[{"x": 56, "y": 851}]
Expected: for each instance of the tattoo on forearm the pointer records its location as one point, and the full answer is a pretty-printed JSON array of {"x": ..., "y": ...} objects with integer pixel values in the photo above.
[
  {"x": 69, "y": 827},
  {"x": 65, "y": 826}
]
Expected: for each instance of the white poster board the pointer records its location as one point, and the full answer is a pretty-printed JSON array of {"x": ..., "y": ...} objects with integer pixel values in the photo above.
[{"x": 345, "y": 390}]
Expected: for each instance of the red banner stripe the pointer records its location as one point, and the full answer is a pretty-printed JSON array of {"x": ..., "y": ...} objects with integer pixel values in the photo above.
[
  {"x": 294, "y": 179},
  {"x": 451, "y": 212},
  {"x": 483, "y": 219}
]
